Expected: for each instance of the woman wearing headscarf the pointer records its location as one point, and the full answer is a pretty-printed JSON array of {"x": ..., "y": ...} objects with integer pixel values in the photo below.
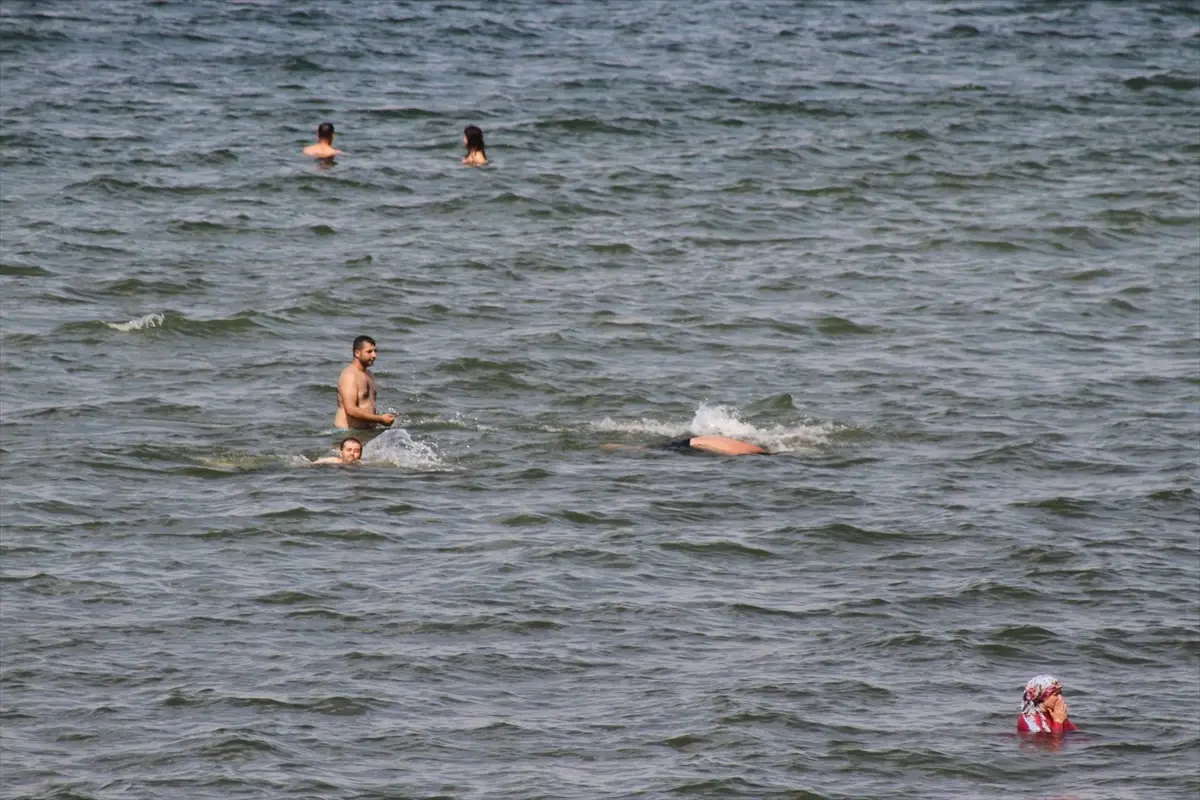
[{"x": 1043, "y": 709}]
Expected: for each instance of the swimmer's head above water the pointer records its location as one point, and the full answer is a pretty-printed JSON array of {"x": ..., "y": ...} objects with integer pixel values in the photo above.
[
  {"x": 349, "y": 452},
  {"x": 476, "y": 153},
  {"x": 364, "y": 350},
  {"x": 324, "y": 148}
]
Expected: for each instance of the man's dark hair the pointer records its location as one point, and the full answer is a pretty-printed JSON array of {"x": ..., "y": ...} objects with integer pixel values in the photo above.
[
  {"x": 325, "y": 131},
  {"x": 360, "y": 341},
  {"x": 474, "y": 139}
]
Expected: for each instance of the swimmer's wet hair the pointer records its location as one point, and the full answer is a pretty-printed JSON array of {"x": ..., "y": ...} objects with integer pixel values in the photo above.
[
  {"x": 325, "y": 131},
  {"x": 474, "y": 139},
  {"x": 361, "y": 340}
]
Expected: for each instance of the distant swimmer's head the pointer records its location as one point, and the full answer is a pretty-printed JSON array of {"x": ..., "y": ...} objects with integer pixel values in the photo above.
[
  {"x": 364, "y": 350},
  {"x": 350, "y": 450},
  {"x": 325, "y": 132},
  {"x": 473, "y": 139}
]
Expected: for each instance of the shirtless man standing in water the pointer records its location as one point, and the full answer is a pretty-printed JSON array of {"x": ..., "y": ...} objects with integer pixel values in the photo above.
[{"x": 356, "y": 391}]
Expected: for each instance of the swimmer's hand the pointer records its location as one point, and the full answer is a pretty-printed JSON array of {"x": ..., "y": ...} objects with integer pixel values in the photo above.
[
  {"x": 1056, "y": 707},
  {"x": 386, "y": 420}
]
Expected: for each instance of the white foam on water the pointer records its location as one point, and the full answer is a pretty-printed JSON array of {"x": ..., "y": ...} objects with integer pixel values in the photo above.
[
  {"x": 396, "y": 446},
  {"x": 724, "y": 421},
  {"x": 148, "y": 321},
  {"x": 643, "y": 425},
  {"x": 465, "y": 422}
]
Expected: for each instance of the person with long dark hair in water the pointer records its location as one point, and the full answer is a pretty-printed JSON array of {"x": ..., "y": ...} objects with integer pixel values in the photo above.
[{"x": 476, "y": 154}]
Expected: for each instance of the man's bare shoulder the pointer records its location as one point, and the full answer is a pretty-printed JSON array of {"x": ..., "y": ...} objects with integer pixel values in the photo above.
[
  {"x": 321, "y": 150},
  {"x": 352, "y": 374}
]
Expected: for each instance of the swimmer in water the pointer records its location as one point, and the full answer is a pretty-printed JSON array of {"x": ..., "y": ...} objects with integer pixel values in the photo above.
[
  {"x": 349, "y": 452},
  {"x": 476, "y": 154},
  {"x": 324, "y": 148},
  {"x": 719, "y": 445},
  {"x": 356, "y": 390},
  {"x": 1043, "y": 709}
]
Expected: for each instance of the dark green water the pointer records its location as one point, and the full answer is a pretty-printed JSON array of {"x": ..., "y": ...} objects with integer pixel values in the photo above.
[{"x": 942, "y": 259}]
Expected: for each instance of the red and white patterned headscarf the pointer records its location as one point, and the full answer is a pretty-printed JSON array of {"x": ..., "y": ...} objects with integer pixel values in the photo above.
[{"x": 1037, "y": 690}]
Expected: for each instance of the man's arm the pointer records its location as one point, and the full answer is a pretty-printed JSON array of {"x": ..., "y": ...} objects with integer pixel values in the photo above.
[{"x": 348, "y": 394}]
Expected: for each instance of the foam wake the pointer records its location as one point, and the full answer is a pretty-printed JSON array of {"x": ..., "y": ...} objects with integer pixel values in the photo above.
[
  {"x": 397, "y": 447},
  {"x": 148, "y": 321},
  {"x": 724, "y": 421}
]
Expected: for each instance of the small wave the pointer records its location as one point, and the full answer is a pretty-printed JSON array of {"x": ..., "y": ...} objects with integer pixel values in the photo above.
[
  {"x": 397, "y": 447},
  {"x": 301, "y": 64},
  {"x": 960, "y": 31},
  {"x": 405, "y": 112},
  {"x": 839, "y": 326},
  {"x": 910, "y": 134},
  {"x": 580, "y": 125},
  {"x": 793, "y": 108},
  {"x": 1166, "y": 80},
  {"x": 141, "y": 323},
  {"x": 653, "y": 427},
  {"x": 112, "y": 185},
  {"x": 24, "y": 271}
]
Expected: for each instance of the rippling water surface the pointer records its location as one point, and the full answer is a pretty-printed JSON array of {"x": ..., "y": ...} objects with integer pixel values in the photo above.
[{"x": 942, "y": 259}]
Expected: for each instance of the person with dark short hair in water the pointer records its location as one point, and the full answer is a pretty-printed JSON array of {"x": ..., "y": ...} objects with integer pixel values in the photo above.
[
  {"x": 324, "y": 148},
  {"x": 356, "y": 390},
  {"x": 349, "y": 452},
  {"x": 717, "y": 445},
  {"x": 476, "y": 154}
]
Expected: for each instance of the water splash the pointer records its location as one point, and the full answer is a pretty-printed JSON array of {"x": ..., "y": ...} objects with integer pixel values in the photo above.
[
  {"x": 724, "y": 421},
  {"x": 396, "y": 446},
  {"x": 148, "y": 321},
  {"x": 643, "y": 425}
]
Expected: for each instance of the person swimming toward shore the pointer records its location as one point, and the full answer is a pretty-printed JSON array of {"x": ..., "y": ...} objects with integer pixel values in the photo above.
[
  {"x": 324, "y": 148},
  {"x": 476, "y": 154},
  {"x": 718, "y": 445},
  {"x": 1043, "y": 709},
  {"x": 349, "y": 452}
]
